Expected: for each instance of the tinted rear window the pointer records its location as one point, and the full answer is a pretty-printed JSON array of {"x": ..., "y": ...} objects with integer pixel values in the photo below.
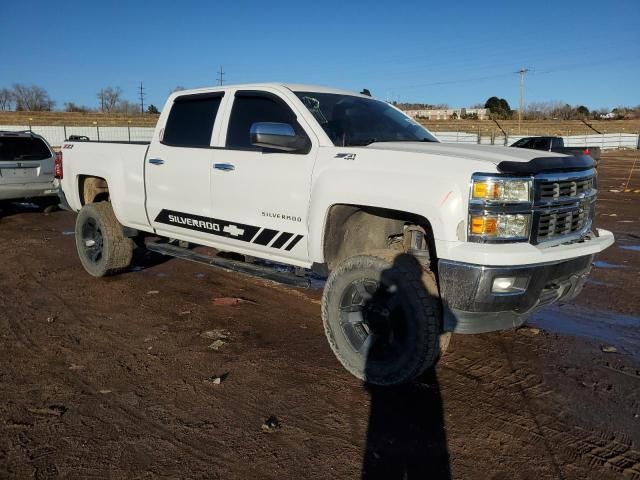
[
  {"x": 191, "y": 120},
  {"x": 23, "y": 148}
]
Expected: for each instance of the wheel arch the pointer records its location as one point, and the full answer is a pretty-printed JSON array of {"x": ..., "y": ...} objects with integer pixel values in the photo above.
[
  {"x": 351, "y": 229},
  {"x": 92, "y": 189}
]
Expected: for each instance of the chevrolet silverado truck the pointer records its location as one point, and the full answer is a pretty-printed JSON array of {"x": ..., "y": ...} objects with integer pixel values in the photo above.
[
  {"x": 419, "y": 239},
  {"x": 556, "y": 145}
]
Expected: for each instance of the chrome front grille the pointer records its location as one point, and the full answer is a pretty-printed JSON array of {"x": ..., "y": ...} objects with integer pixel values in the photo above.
[
  {"x": 563, "y": 208},
  {"x": 552, "y": 225},
  {"x": 550, "y": 190}
]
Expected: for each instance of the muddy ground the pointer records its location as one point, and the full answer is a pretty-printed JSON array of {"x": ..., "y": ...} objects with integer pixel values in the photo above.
[{"x": 116, "y": 378}]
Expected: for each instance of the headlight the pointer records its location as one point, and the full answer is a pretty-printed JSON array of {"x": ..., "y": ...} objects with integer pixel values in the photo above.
[
  {"x": 500, "y": 226},
  {"x": 506, "y": 190}
]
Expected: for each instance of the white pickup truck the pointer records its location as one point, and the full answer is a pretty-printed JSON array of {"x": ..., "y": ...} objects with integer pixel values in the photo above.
[{"x": 418, "y": 238}]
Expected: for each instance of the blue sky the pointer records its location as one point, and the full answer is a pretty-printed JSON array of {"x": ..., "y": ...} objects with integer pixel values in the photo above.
[{"x": 456, "y": 52}]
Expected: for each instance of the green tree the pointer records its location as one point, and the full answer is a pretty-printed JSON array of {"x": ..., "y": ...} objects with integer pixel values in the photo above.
[
  {"x": 498, "y": 107},
  {"x": 152, "y": 109},
  {"x": 582, "y": 111}
]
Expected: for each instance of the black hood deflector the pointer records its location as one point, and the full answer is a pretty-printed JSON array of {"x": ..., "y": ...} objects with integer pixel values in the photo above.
[{"x": 548, "y": 164}]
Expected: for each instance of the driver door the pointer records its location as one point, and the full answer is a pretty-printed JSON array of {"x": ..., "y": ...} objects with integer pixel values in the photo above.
[{"x": 262, "y": 195}]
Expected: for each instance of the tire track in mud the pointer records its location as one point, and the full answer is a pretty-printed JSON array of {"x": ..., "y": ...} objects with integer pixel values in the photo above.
[
  {"x": 507, "y": 392},
  {"x": 504, "y": 388}
]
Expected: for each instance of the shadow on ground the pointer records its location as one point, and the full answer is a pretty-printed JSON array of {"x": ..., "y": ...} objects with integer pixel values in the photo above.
[{"x": 406, "y": 438}]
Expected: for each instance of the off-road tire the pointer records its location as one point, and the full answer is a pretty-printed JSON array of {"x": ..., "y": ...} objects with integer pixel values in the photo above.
[
  {"x": 116, "y": 249},
  {"x": 420, "y": 297}
]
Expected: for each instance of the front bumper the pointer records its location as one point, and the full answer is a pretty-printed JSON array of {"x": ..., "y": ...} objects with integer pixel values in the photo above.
[{"x": 472, "y": 307}]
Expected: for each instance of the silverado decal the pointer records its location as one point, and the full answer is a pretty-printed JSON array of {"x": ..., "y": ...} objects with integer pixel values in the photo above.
[
  {"x": 223, "y": 228},
  {"x": 282, "y": 216},
  {"x": 346, "y": 156}
]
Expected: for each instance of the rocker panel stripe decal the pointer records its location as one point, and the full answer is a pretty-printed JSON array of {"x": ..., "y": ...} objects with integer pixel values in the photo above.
[{"x": 224, "y": 228}]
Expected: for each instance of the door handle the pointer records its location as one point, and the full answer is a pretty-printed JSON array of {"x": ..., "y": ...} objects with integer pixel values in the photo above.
[
  {"x": 156, "y": 161},
  {"x": 226, "y": 167}
]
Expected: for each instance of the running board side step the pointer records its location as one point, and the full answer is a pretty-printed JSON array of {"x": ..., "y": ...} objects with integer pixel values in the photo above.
[{"x": 232, "y": 265}]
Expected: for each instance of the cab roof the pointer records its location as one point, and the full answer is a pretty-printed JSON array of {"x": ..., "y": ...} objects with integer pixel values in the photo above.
[{"x": 294, "y": 87}]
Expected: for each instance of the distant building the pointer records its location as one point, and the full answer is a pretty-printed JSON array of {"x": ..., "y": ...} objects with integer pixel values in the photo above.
[{"x": 448, "y": 113}]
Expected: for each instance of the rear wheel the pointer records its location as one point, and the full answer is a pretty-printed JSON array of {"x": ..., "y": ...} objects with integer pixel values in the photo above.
[
  {"x": 381, "y": 318},
  {"x": 102, "y": 247}
]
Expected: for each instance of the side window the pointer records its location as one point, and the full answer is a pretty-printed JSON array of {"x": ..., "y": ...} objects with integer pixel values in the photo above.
[
  {"x": 251, "y": 108},
  {"x": 540, "y": 144},
  {"x": 191, "y": 120},
  {"x": 556, "y": 143}
]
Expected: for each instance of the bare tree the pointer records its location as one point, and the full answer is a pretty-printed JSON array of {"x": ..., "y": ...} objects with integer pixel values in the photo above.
[
  {"x": 538, "y": 110},
  {"x": 109, "y": 98},
  {"x": 6, "y": 99},
  {"x": 127, "y": 107},
  {"x": 32, "y": 98}
]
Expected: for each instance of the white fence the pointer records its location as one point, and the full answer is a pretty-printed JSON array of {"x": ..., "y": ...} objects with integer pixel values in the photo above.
[
  {"x": 605, "y": 141},
  {"x": 55, "y": 135}
]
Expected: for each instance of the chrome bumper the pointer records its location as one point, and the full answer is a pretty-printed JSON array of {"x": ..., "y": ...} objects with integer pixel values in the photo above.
[{"x": 471, "y": 306}]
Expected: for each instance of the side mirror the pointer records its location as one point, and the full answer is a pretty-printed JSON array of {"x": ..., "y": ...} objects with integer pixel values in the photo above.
[{"x": 278, "y": 136}]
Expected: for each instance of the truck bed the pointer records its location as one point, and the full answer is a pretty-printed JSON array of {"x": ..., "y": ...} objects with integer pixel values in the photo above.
[{"x": 120, "y": 164}]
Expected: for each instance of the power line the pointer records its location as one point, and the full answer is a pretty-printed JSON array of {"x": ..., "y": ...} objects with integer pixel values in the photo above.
[
  {"x": 461, "y": 80},
  {"x": 220, "y": 76}
]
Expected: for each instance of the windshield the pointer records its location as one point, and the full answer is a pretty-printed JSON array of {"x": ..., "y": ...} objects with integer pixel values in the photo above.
[
  {"x": 351, "y": 121},
  {"x": 23, "y": 148}
]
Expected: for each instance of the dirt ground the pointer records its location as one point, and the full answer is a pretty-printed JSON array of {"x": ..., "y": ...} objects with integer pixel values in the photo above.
[{"x": 143, "y": 375}]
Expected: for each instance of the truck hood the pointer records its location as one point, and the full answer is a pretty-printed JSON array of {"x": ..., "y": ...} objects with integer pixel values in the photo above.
[{"x": 483, "y": 153}]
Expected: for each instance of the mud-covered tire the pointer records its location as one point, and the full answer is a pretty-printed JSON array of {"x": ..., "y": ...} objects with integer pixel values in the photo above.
[
  {"x": 102, "y": 247},
  {"x": 398, "y": 299}
]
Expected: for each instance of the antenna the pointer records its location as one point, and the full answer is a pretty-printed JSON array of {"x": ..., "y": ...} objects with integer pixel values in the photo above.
[{"x": 220, "y": 76}]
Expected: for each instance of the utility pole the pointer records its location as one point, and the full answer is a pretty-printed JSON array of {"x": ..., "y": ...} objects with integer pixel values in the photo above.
[
  {"x": 141, "y": 98},
  {"x": 522, "y": 72},
  {"x": 220, "y": 76}
]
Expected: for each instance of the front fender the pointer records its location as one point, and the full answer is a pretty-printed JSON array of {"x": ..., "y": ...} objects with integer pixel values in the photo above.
[{"x": 438, "y": 199}]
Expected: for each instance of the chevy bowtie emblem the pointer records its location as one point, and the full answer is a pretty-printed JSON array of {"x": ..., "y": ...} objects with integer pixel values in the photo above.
[{"x": 233, "y": 230}]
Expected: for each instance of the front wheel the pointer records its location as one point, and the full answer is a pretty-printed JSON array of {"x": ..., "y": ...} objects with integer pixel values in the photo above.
[
  {"x": 102, "y": 247},
  {"x": 382, "y": 317}
]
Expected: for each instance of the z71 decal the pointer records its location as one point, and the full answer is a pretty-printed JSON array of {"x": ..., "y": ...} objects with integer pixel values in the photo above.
[{"x": 236, "y": 231}]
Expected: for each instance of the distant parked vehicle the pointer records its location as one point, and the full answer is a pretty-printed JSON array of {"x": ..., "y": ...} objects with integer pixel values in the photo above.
[
  {"x": 27, "y": 168},
  {"x": 556, "y": 144}
]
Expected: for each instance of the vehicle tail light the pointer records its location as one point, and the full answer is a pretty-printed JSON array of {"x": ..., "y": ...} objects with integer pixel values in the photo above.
[
  {"x": 586, "y": 151},
  {"x": 57, "y": 166}
]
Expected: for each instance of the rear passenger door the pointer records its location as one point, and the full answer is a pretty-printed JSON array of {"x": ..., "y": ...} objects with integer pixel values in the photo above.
[
  {"x": 178, "y": 168},
  {"x": 263, "y": 194}
]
